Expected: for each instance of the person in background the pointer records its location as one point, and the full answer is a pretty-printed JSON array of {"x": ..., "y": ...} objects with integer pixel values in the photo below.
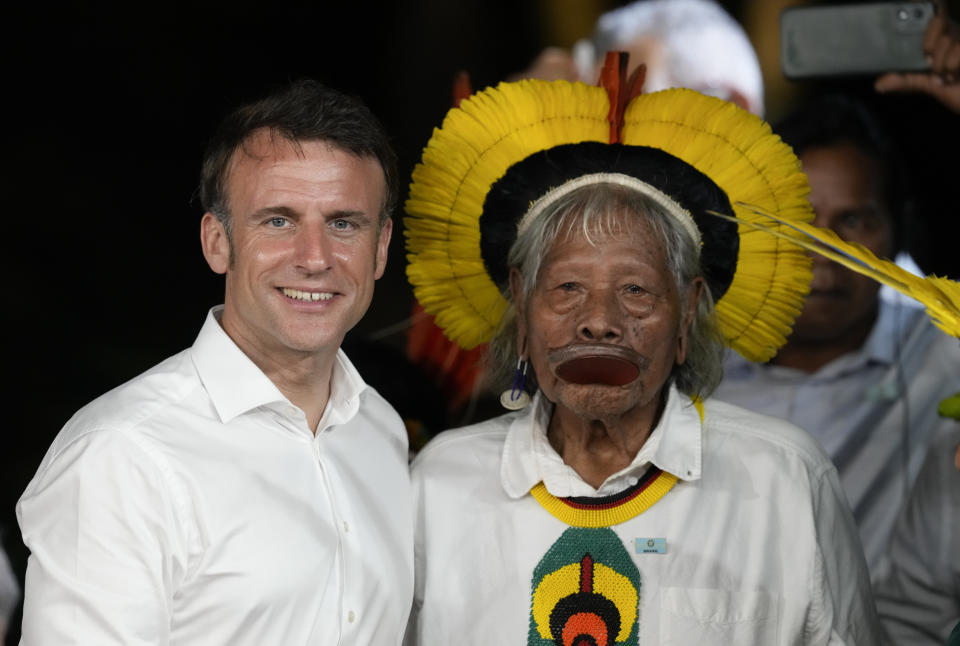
[
  {"x": 683, "y": 43},
  {"x": 863, "y": 374},
  {"x": 919, "y": 600},
  {"x": 251, "y": 489}
]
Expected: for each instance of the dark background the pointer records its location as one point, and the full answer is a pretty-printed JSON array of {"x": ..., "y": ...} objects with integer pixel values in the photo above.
[{"x": 107, "y": 107}]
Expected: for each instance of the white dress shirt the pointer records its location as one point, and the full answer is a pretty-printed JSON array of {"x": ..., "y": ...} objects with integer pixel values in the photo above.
[
  {"x": 759, "y": 546},
  {"x": 193, "y": 505},
  {"x": 919, "y": 601},
  {"x": 874, "y": 411}
]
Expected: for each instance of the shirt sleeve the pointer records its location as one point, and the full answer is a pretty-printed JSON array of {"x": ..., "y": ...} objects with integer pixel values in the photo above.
[
  {"x": 106, "y": 550},
  {"x": 843, "y": 613},
  {"x": 919, "y": 601}
]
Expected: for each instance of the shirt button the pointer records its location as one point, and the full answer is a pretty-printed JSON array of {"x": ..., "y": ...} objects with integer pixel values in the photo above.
[
  {"x": 346, "y": 527},
  {"x": 351, "y": 616},
  {"x": 633, "y": 481}
]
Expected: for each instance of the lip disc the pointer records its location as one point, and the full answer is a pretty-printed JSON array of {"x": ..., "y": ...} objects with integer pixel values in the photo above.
[{"x": 598, "y": 369}]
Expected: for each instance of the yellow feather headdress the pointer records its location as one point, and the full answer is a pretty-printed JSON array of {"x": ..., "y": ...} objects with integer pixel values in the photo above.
[{"x": 498, "y": 132}]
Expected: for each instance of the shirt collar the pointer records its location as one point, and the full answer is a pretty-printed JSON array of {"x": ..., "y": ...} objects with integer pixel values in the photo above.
[
  {"x": 236, "y": 385},
  {"x": 346, "y": 388},
  {"x": 528, "y": 458}
]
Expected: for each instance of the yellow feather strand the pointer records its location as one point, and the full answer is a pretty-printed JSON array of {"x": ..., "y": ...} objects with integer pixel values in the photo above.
[
  {"x": 474, "y": 147},
  {"x": 738, "y": 151},
  {"x": 941, "y": 296}
]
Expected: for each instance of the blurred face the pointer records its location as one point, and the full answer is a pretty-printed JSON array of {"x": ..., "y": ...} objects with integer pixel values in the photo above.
[
  {"x": 847, "y": 197},
  {"x": 619, "y": 292},
  {"x": 306, "y": 247}
]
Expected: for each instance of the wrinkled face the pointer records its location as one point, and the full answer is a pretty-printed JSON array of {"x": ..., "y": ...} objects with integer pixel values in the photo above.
[
  {"x": 617, "y": 291},
  {"x": 306, "y": 247},
  {"x": 847, "y": 197}
]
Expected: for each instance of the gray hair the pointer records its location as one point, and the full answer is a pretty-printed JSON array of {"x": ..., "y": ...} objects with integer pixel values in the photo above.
[{"x": 595, "y": 211}]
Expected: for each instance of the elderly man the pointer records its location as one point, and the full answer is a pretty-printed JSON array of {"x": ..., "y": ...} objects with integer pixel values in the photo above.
[
  {"x": 251, "y": 489},
  {"x": 619, "y": 505}
]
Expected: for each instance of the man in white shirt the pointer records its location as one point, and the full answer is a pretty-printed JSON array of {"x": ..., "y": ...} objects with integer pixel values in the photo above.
[{"x": 251, "y": 489}]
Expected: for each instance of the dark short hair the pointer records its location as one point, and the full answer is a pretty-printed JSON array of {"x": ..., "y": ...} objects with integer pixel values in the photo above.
[
  {"x": 304, "y": 110},
  {"x": 834, "y": 119}
]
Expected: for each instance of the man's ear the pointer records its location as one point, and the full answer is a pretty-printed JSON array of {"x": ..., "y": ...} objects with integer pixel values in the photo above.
[
  {"x": 518, "y": 297},
  {"x": 215, "y": 243},
  {"x": 383, "y": 245},
  {"x": 692, "y": 299}
]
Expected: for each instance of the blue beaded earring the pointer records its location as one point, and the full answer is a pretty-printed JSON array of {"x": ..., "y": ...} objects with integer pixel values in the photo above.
[{"x": 516, "y": 398}]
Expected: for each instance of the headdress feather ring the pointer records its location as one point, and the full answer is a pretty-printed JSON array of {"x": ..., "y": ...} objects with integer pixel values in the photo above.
[{"x": 505, "y": 148}]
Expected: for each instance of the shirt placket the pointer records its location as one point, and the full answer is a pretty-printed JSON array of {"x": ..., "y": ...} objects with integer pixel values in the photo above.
[{"x": 348, "y": 593}]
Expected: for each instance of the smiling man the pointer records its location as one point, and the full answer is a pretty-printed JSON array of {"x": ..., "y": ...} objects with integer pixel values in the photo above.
[{"x": 251, "y": 489}]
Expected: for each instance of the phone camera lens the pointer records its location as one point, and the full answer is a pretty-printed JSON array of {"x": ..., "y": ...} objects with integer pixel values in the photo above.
[{"x": 918, "y": 13}]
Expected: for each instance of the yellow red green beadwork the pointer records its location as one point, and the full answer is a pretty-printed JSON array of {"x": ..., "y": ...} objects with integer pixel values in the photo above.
[{"x": 579, "y": 514}]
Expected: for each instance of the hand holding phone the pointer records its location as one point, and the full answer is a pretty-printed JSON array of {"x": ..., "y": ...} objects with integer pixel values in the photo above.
[{"x": 942, "y": 47}]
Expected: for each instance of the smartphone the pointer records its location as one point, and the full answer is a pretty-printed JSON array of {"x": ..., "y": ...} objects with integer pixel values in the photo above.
[{"x": 853, "y": 39}]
